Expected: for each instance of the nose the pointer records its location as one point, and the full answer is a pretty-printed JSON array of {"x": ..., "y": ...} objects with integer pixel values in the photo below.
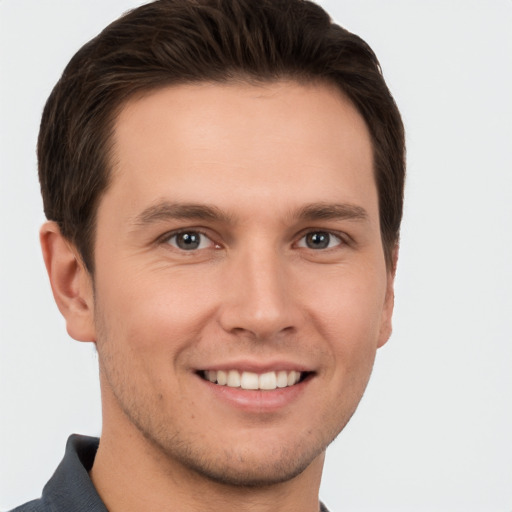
[{"x": 259, "y": 297}]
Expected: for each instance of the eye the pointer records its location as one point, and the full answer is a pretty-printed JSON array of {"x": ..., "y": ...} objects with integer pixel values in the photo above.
[
  {"x": 320, "y": 240},
  {"x": 190, "y": 241}
]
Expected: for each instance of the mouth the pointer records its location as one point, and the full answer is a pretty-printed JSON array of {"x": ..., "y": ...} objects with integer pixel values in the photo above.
[{"x": 267, "y": 381}]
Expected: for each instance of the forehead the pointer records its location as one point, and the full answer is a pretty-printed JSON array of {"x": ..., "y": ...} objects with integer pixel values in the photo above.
[{"x": 217, "y": 142}]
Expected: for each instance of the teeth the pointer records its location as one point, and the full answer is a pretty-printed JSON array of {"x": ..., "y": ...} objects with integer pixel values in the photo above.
[
  {"x": 251, "y": 380},
  {"x": 222, "y": 378},
  {"x": 293, "y": 378},
  {"x": 233, "y": 379},
  {"x": 268, "y": 380},
  {"x": 282, "y": 379}
]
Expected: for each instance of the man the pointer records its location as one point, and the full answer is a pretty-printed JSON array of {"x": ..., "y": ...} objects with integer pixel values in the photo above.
[{"x": 223, "y": 184}]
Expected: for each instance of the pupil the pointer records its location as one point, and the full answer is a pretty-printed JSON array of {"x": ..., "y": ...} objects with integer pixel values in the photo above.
[
  {"x": 188, "y": 241},
  {"x": 318, "y": 240}
]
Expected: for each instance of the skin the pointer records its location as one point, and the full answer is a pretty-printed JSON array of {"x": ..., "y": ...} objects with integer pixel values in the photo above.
[{"x": 272, "y": 163}]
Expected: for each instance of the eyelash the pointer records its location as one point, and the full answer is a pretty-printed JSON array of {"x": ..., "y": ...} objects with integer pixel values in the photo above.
[{"x": 341, "y": 239}]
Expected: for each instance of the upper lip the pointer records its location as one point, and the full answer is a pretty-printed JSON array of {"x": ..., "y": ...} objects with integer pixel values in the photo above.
[{"x": 257, "y": 366}]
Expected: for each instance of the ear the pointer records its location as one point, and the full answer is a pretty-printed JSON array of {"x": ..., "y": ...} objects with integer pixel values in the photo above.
[
  {"x": 389, "y": 301},
  {"x": 70, "y": 281}
]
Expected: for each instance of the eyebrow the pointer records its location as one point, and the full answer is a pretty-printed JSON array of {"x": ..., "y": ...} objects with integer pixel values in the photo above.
[
  {"x": 332, "y": 211},
  {"x": 166, "y": 210}
]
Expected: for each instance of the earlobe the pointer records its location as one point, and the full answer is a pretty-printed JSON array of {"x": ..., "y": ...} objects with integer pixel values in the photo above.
[
  {"x": 70, "y": 281},
  {"x": 389, "y": 302}
]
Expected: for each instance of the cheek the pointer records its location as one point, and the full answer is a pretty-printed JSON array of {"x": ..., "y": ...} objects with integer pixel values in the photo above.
[
  {"x": 349, "y": 305},
  {"x": 348, "y": 316},
  {"x": 153, "y": 313}
]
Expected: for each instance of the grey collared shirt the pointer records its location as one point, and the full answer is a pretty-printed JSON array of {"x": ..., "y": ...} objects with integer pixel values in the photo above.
[{"x": 70, "y": 489}]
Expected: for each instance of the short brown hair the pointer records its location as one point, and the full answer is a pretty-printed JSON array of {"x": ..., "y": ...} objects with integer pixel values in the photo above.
[{"x": 185, "y": 41}]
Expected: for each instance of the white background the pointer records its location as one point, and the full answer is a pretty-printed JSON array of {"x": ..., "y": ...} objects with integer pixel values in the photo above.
[{"x": 434, "y": 431}]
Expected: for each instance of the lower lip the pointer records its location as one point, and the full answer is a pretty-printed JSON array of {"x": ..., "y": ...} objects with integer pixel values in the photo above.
[{"x": 258, "y": 401}]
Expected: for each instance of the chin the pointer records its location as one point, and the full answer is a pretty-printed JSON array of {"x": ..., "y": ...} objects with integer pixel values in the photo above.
[
  {"x": 251, "y": 468},
  {"x": 255, "y": 460}
]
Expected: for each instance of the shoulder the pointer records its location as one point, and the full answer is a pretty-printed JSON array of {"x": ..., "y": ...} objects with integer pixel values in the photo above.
[{"x": 33, "y": 506}]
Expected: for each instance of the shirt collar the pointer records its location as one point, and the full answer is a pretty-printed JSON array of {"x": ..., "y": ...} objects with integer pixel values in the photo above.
[{"x": 70, "y": 489}]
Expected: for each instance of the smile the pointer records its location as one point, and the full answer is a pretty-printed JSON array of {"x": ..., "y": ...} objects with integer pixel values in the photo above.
[{"x": 254, "y": 381}]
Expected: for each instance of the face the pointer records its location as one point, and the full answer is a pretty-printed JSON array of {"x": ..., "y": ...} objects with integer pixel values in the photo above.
[{"x": 240, "y": 284}]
